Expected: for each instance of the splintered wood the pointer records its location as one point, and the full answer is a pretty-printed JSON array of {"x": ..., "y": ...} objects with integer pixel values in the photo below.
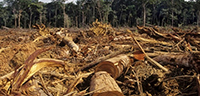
[
  {"x": 100, "y": 61},
  {"x": 70, "y": 43},
  {"x": 115, "y": 65},
  {"x": 102, "y": 84}
]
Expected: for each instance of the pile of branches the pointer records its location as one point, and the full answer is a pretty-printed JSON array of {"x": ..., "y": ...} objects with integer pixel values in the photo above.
[{"x": 64, "y": 62}]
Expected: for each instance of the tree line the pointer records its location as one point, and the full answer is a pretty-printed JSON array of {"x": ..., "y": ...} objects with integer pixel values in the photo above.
[{"x": 25, "y": 13}]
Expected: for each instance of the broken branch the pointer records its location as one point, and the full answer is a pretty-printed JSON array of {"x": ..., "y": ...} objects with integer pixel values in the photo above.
[
  {"x": 148, "y": 58},
  {"x": 104, "y": 58}
]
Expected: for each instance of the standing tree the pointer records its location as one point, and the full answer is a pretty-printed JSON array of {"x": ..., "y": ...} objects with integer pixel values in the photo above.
[
  {"x": 18, "y": 7},
  {"x": 197, "y": 4},
  {"x": 73, "y": 11},
  {"x": 4, "y": 13},
  {"x": 65, "y": 16},
  {"x": 172, "y": 12},
  {"x": 144, "y": 10},
  {"x": 155, "y": 8},
  {"x": 55, "y": 14},
  {"x": 35, "y": 8},
  {"x": 106, "y": 9}
]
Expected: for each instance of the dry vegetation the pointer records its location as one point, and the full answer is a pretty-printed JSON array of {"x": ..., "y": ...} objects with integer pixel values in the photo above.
[{"x": 141, "y": 61}]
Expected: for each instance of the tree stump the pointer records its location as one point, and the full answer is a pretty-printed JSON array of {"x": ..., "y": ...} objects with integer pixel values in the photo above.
[
  {"x": 115, "y": 65},
  {"x": 102, "y": 84}
]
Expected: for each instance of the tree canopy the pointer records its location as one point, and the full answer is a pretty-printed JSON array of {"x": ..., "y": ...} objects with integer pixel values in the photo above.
[{"x": 25, "y": 13}]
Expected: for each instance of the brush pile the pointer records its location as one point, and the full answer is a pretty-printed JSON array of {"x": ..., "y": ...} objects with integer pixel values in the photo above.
[{"x": 100, "y": 61}]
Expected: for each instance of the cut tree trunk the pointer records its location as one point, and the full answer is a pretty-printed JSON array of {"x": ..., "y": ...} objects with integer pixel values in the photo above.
[
  {"x": 68, "y": 40},
  {"x": 102, "y": 84},
  {"x": 115, "y": 65},
  {"x": 185, "y": 59}
]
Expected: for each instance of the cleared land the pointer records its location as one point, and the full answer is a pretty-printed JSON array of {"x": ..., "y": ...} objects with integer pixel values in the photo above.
[{"x": 55, "y": 61}]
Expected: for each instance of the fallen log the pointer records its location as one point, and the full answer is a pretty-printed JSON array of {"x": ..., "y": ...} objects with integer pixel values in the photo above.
[
  {"x": 68, "y": 40},
  {"x": 153, "y": 41},
  {"x": 193, "y": 41},
  {"x": 151, "y": 31},
  {"x": 102, "y": 84},
  {"x": 154, "y": 32},
  {"x": 100, "y": 59},
  {"x": 115, "y": 65},
  {"x": 6, "y": 28},
  {"x": 185, "y": 59},
  {"x": 71, "y": 43},
  {"x": 148, "y": 58}
]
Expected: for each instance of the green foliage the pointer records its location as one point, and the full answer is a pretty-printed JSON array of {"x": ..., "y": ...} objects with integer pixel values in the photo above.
[{"x": 84, "y": 12}]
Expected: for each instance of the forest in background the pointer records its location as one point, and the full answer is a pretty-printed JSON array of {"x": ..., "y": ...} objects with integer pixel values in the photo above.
[{"x": 119, "y": 13}]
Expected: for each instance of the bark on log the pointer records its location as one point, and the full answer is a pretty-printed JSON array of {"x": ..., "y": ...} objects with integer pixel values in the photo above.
[
  {"x": 68, "y": 40},
  {"x": 6, "y": 28},
  {"x": 115, "y": 65},
  {"x": 104, "y": 85},
  {"x": 98, "y": 60},
  {"x": 71, "y": 43},
  {"x": 185, "y": 59}
]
